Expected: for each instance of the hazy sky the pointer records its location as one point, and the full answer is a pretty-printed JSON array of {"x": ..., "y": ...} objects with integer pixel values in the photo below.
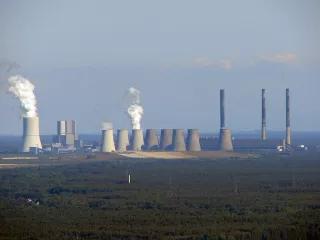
[{"x": 84, "y": 55}]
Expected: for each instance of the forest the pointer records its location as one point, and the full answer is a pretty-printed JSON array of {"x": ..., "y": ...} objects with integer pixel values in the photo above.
[{"x": 272, "y": 197}]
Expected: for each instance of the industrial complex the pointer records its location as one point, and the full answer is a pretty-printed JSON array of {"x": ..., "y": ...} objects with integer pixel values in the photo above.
[{"x": 152, "y": 140}]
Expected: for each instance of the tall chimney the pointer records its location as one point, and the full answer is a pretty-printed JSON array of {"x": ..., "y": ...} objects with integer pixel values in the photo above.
[
  {"x": 151, "y": 140},
  {"x": 166, "y": 139},
  {"x": 137, "y": 140},
  {"x": 31, "y": 136},
  {"x": 122, "y": 140},
  {"x": 288, "y": 127},
  {"x": 179, "y": 144},
  {"x": 222, "y": 113},
  {"x": 264, "y": 120},
  {"x": 107, "y": 141},
  {"x": 193, "y": 140},
  {"x": 225, "y": 139}
]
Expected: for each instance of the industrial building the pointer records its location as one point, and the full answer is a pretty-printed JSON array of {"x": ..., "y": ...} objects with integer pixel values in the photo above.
[
  {"x": 66, "y": 133},
  {"x": 169, "y": 139}
]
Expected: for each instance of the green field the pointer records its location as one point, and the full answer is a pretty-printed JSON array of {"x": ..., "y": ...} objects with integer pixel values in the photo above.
[{"x": 274, "y": 197}]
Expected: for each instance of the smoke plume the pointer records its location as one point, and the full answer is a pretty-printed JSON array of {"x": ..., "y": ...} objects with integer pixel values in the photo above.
[
  {"x": 23, "y": 89},
  {"x": 6, "y": 69},
  {"x": 135, "y": 110}
]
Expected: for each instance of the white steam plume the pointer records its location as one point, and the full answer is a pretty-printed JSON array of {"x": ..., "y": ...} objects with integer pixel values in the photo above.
[
  {"x": 135, "y": 110},
  {"x": 23, "y": 89},
  {"x": 6, "y": 67}
]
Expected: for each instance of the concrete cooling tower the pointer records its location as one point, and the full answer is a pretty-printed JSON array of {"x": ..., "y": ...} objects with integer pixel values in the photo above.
[
  {"x": 107, "y": 141},
  {"x": 166, "y": 139},
  {"x": 288, "y": 127},
  {"x": 193, "y": 140},
  {"x": 263, "y": 116},
  {"x": 31, "y": 136},
  {"x": 122, "y": 140},
  {"x": 137, "y": 140},
  {"x": 225, "y": 139},
  {"x": 151, "y": 140},
  {"x": 178, "y": 141}
]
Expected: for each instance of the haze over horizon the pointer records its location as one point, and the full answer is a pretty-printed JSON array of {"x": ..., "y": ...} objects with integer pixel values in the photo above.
[{"x": 83, "y": 56}]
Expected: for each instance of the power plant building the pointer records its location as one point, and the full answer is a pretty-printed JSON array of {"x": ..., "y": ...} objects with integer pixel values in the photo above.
[{"x": 66, "y": 132}]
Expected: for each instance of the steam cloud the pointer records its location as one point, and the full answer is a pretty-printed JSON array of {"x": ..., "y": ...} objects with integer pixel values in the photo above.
[
  {"x": 6, "y": 67},
  {"x": 135, "y": 110},
  {"x": 23, "y": 89}
]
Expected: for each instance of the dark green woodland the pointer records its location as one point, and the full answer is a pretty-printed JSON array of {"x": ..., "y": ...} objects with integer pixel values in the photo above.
[{"x": 272, "y": 197}]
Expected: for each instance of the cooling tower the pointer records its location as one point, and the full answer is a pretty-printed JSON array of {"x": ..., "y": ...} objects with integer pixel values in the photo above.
[
  {"x": 122, "y": 140},
  {"x": 263, "y": 116},
  {"x": 151, "y": 140},
  {"x": 137, "y": 140},
  {"x": 225, "y": 139},
  {"x": 178, "y": 141},
  {"x": 166, "y": 139},
  {"x": 288, "y": 128},
  {"x": 31, "y": 137},
  {"x": 107, "y": 141},
  {"x": 193, "y": 140}
]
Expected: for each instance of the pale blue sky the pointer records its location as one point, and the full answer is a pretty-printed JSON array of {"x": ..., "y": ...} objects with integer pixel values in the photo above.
[{"x": 83, "y": 55}]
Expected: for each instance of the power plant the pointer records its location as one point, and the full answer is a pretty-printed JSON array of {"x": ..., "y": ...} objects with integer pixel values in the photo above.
[
  {"x": 31, "y": 135},
  {"x": 225, "y": 138},
  {"x": 170, "y": 139},
  {"x": 193, "y": 140},
  {"x": 137, "y": 141},
  {"x": 263, "y": 116},
  {"x": 66, "y": 133},
  {"x": 151, "y": 140},
  {"x": 166, "y": 139},
  {"x": 288, "y": 127},
  {"x": 178, "y": 141},
  {"x": 122, "y": 140},
  {"x": 107, "y": 140}
]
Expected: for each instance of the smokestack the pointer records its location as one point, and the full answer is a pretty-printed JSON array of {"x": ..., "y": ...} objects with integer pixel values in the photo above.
[
  {"x": 178, "y": 140},
  {"x": 151, "y": 140},
  {"x": 137, "y": 140},
  {"x": 264, "y": 120},
  {"x": 288, "y": 127},
  {"x": 166, "y": 139},
  {"x": 222, "y": 113},
  {"x": 122, "y": 140},
  {"x": 107, "y": 141},
  {"x": 193, "y": 140},
  {"x": 31, "y": 137},
  {"x": 225, "y": 139}
]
